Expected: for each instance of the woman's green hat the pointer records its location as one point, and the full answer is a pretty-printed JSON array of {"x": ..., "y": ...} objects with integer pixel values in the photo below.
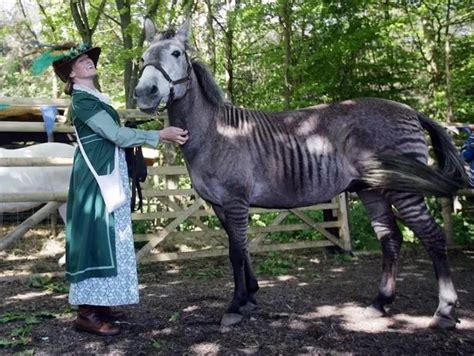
[{"x": 62, "y": 58}]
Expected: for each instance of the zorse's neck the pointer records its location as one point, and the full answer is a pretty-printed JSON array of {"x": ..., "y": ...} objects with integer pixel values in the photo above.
[{"x": 193, "y": 111}]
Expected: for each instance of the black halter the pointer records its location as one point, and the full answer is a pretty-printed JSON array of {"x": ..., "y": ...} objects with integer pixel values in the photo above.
[{"x": 172, "y": 82}]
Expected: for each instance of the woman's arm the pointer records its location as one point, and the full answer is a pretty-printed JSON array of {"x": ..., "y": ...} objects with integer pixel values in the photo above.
[{"x": 104, "y": 125}]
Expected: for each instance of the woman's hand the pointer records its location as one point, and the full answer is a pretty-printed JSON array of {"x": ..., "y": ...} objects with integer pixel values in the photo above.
[{"x": 174, "y": 134}]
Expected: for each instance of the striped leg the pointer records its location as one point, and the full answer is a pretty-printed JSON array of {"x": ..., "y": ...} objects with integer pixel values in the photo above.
[
  {"x": 234, "y": 218},
  {"x": 384, "y": 224},
  {"x": 415, "y": 214}
]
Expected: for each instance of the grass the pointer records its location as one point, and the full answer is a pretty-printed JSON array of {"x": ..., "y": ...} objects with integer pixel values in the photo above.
[
  {"x": 48, "y": 283},
  {"x": 20, "y": 335},
  {"x": 204, "y": 273},
  {"x": 276, "y": 264}
]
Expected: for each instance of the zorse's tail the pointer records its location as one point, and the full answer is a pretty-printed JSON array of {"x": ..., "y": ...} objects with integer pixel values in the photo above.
[{"x": 407, "y": 174}]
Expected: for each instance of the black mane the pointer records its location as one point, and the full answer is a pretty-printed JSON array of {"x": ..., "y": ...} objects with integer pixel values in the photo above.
[
  {"x": 209, "y": 87},
  {"x": 167, "y": 34}
]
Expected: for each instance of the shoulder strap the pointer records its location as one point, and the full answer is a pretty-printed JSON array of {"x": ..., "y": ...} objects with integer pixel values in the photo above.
[{"x": 93, "y": 171}]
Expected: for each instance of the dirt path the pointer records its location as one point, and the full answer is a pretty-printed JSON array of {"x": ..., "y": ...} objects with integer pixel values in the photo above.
[{"x": 308, "y": 303}]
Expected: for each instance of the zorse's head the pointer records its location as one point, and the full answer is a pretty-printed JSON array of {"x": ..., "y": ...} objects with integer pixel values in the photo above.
[{"x": 166, "y": 67}]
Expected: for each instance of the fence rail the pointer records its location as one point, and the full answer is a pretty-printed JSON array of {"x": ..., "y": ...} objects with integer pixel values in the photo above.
[{"x": 176, "y": 206}]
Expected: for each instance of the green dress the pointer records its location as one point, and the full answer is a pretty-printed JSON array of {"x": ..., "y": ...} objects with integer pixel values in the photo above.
[{"x": 99, "y": 246}]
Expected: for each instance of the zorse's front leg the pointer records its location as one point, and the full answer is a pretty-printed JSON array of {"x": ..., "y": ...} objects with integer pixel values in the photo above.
[{"x": 234, "y": 218}]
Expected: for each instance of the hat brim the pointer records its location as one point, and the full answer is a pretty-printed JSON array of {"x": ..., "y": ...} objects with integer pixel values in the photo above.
[{"x": 64, "y": 68}]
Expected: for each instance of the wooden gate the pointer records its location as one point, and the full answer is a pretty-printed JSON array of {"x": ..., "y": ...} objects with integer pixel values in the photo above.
[{"x": 170, "y": 208}]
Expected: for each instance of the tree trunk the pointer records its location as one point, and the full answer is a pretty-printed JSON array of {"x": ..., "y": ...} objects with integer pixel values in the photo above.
[
  {"x": 229, "y": 59},
  {"x": 133, "y": 79},
  {"x": 81, "y": 19},
  {"x": 447, "y": 213},
  {"x": 123, "y": 7},
  {"x": 447, "y": 60},
  {"x": 211, "y": 38},
  {"x": 285, "y": 20}
]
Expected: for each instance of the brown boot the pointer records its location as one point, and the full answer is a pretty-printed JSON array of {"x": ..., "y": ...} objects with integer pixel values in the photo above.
[
  {"x": 88, "y": 320},
  {"x": 108, "y": 313}
]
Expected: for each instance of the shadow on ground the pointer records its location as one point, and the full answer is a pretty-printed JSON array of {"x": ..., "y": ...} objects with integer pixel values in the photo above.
[{"x": 316, "y": 307}]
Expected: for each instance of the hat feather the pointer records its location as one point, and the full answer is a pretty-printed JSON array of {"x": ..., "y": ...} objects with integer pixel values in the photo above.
[{"x": 42, "y": 63}]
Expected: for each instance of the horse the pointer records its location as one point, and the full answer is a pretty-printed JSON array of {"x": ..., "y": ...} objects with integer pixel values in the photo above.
[
  {"x": 49, "y": 179},
  {"x": 239, "y": 158}
]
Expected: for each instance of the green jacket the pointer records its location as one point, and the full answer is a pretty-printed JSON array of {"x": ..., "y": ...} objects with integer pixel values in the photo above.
[{"x": 90, "y": 230}]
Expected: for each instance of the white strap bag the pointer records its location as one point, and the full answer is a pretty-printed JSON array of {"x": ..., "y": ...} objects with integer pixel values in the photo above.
[{"x": 110, "y": 184}]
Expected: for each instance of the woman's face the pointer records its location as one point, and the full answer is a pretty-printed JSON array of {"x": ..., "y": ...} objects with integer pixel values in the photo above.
[{"x": 83, "y": 68}]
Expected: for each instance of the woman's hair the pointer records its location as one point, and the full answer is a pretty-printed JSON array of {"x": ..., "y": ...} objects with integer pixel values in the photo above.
[{"x": 68, "y": 87}]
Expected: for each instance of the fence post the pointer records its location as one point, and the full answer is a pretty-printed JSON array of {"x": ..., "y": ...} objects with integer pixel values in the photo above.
[
  {"x": 343, "y": 217},
  {"x": 447, "y": 213}
]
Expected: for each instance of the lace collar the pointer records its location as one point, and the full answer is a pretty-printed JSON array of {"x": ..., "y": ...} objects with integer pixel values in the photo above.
[{"x": 101, "y": 96}]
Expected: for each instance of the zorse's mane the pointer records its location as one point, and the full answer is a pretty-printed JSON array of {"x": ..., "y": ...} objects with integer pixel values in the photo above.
[
  {"x": 209, "y": 87},
  {"x": 205, "y": 79}
]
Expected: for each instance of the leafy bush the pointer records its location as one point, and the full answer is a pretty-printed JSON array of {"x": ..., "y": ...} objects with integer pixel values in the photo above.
[{"x": 362, "y": 234}]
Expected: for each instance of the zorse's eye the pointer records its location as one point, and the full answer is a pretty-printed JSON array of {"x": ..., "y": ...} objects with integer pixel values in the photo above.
[{"x": 176, "y": 54}]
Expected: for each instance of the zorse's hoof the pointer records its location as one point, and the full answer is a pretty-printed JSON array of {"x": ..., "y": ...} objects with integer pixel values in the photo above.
[
  {"x": 248, "y": 307},
  {"x": 373, "y": 312},
  {"x": 230, "y": 319},
  {"x": 443, "y": 322}
]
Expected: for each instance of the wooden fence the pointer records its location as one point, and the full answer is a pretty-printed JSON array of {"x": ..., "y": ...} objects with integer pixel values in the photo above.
[
  {"x": 170, "y": 209},
  {"x": 177, "y": 216}
]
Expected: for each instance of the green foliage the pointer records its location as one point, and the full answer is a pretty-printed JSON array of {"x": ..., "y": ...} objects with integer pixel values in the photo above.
[
  {"x": 14, "y": 341},
  {"x": 363, "y": 236},
  {"x": 48, "y": 283},
  {"x": 20, "y": 334},
  {"x": 343, "y": 257},
  {"x": 174, "y": 317},
  {"x": 208, "y": 272},
  {"x": 141, "y": 226},
  {"x": 337, "y": 50},
  {"x": 463, "y": 230},
  {"x": 276, "y": 263},
  {"x": 300, "y": 235},
  {"x": 362, "y": 233},
  {"x": 27, "y": 317},
  {"x": 157, "y": 344}
]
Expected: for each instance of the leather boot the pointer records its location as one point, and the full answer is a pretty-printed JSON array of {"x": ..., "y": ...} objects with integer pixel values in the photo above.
[
  {"x": 108, "y": 313},
  {"x": 88, "y": 320}
]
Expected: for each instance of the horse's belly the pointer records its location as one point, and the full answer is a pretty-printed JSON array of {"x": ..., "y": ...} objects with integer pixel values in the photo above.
[
  {"x": 209, "y": 190},
  {"x": 268, "y": 196}
]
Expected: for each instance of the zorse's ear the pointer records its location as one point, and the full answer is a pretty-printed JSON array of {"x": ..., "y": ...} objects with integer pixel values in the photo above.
[
  {"x": 150, "y": 30},
  {"x": 183, "y": 32}
]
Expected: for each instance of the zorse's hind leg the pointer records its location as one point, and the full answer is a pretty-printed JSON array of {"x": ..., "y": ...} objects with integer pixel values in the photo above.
[
  {"x": 415, "y": 214},
  {"x": 384, "y": 224},
  {"x": 234, "y": 218}
]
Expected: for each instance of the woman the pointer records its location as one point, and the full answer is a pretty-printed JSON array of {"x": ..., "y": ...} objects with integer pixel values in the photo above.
[{"x": 100, "y": 256}]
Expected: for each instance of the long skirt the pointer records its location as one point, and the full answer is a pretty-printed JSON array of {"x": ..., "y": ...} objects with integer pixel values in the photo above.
[{"x": 123, "y": 288}]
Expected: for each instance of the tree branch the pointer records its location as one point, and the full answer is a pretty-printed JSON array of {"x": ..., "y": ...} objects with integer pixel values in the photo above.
[
  {"x": 27, "y": 22},
  {"x": 43, "y": 12},
  {"x": 105, "y": 14},
  {"x": 83, "y": 12},
  {"x": 77, "y": 18},
  {"x": 151, "y": 12},
  {"x": 100, "y": 10}
]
